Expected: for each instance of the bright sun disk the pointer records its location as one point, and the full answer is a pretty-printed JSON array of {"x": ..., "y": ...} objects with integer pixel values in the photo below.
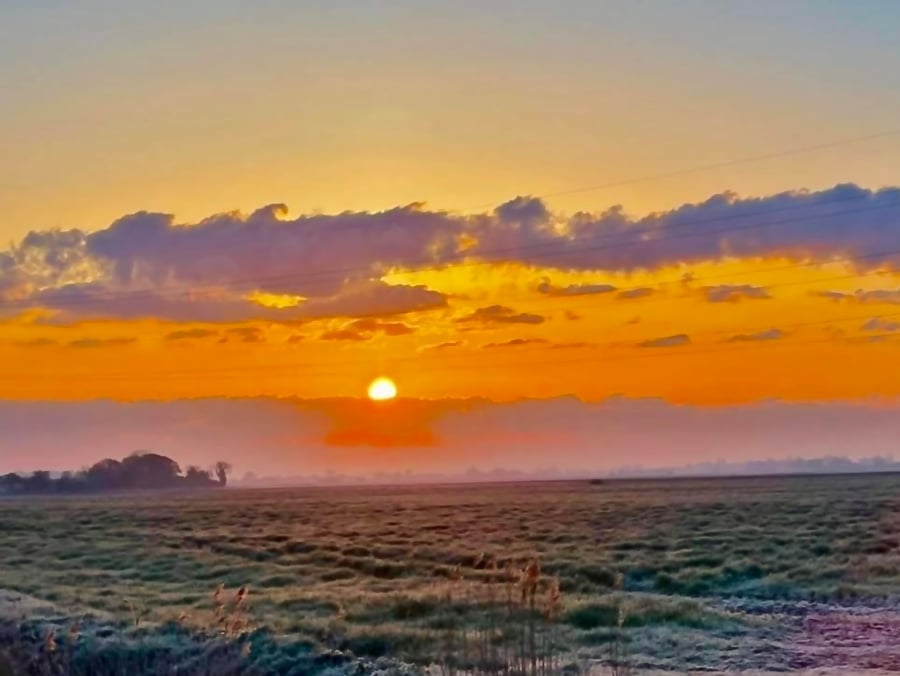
[{"x": 381, "y": 389}]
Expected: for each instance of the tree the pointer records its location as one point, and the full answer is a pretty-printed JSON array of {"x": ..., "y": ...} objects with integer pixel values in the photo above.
[
  {"x": 39, "y": 482},
  {"x": 222, "y": 469},
  {"x": 69, "y": 482},
  {"x": 11, "y": 483},
  {"x": 105, "y": 475},
  {"x": 194, "y": 476},
  {"x": 150, "y": 470},
  {"x": 139, "y": 470}
]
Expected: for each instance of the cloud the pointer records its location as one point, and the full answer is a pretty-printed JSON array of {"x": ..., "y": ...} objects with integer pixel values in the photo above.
[
  {"x": 889, "y": 296},
  {"x": 371, "y": 325},
  {"x": 882, "y": 338},
  {"x": 884, "y": 296},
  {"x": 375, "y": 298},
  {"x": 443, "y": 346},
  {"x": 96, "y": 300},
  {"x": 101, "y": 342},
  {"x": 36, "y": 342},
  {"x": 733, "y": 293},
  {"x": 631, "y": 294},
  {"x": 549, "y": 289},
  {"x": 286, "y": 436},
  {"x": 190, "y": 334},
  {"x": 296, "y": 338},
  {"x": 667, "y": 341},
  {"x": 843, "y": 221},
  {"x": 878, "y": 324},
  {"x": 367, "y": 328},
  {"x": 149, "y": 265},
  {"x": 515, "y": 342},
  {"x": 501, "y": 314},
  {"x": 311, "y": 256},
  {"x": 345, "y": 334},
  {"x": 246, "y": 334},
  {"x": 832, "y": 295},
  {"x": 571, "y": 316},
  {"x": 571, "y": 346},
  {"x": 769, "y": 334},
  {"x": 92, "y": 300}
]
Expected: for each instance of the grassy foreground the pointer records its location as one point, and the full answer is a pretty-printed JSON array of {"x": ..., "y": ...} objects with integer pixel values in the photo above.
[{"x": 672, "y": 573}]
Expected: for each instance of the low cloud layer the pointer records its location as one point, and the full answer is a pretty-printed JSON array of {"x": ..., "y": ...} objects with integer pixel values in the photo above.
[
  {"x": 314, "y": 436},
  {"x": 150, "y": 265}
]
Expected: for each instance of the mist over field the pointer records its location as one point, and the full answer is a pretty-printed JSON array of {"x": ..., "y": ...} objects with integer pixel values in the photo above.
[{"x": 356, "y": 439}]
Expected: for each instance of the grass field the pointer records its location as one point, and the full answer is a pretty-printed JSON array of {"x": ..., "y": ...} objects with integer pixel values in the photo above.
[{"x": 727, "y": 574}]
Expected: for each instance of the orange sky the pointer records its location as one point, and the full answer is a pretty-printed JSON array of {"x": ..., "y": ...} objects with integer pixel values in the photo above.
[
  {"x": 358, "y": 111},
  {"x": 589, "y": 345}
]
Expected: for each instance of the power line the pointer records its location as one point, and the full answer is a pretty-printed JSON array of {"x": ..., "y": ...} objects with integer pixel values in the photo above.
[{"x": 718, "y": 165}]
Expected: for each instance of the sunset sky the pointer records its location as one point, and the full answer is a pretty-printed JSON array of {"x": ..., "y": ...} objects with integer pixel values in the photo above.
[{"x": 575, "y": 234}]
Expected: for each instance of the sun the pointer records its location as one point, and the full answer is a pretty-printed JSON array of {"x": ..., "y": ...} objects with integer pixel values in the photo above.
[{"x": 382, "y": 389}]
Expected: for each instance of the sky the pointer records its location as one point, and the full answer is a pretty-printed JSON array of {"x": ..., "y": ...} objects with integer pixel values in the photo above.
[{"x": 543, "y": 220}]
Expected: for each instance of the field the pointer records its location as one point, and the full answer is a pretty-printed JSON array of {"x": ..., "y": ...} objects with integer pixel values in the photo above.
[{"x": 763, "y": 574}]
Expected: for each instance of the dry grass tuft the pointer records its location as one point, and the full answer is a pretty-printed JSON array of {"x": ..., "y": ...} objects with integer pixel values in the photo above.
[{"x": 504, "y": 623}]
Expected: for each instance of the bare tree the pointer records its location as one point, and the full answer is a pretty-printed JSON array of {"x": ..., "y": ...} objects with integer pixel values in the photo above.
[{"x": 222, "y": 469}]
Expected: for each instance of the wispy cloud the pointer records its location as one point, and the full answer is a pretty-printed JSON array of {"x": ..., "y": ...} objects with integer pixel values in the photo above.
[
  {"x": 885, "y": 296},
  {"x": 246, "y": 334},
  {"x": 190, "y": 334},
  {"x": 345, "y": 334},
  {"x": 371, "y": 325},
  {"x": 443, "y": 346},
  {"x": 769, "y": 334},
  {"x": 631, "y": 294},
  {"x": 101, "y": 342},
  {"x": 501, "y": 314},
  {"x": 36, "y": 342},
  {"x": 678, "y": 340},
  {"x": 571, "y": 346},
  {"x": 367, "y": 328},
  {"x": 879, "y": 324},
  {"x": 374, "y": 298},
  {"x": 516, "y": 342},
  {"x": 734, "y": 293},
  {"x": 549, "y": 289}
]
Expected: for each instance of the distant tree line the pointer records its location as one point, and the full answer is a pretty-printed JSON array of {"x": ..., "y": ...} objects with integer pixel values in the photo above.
[{"x": 138, "y": 471}]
